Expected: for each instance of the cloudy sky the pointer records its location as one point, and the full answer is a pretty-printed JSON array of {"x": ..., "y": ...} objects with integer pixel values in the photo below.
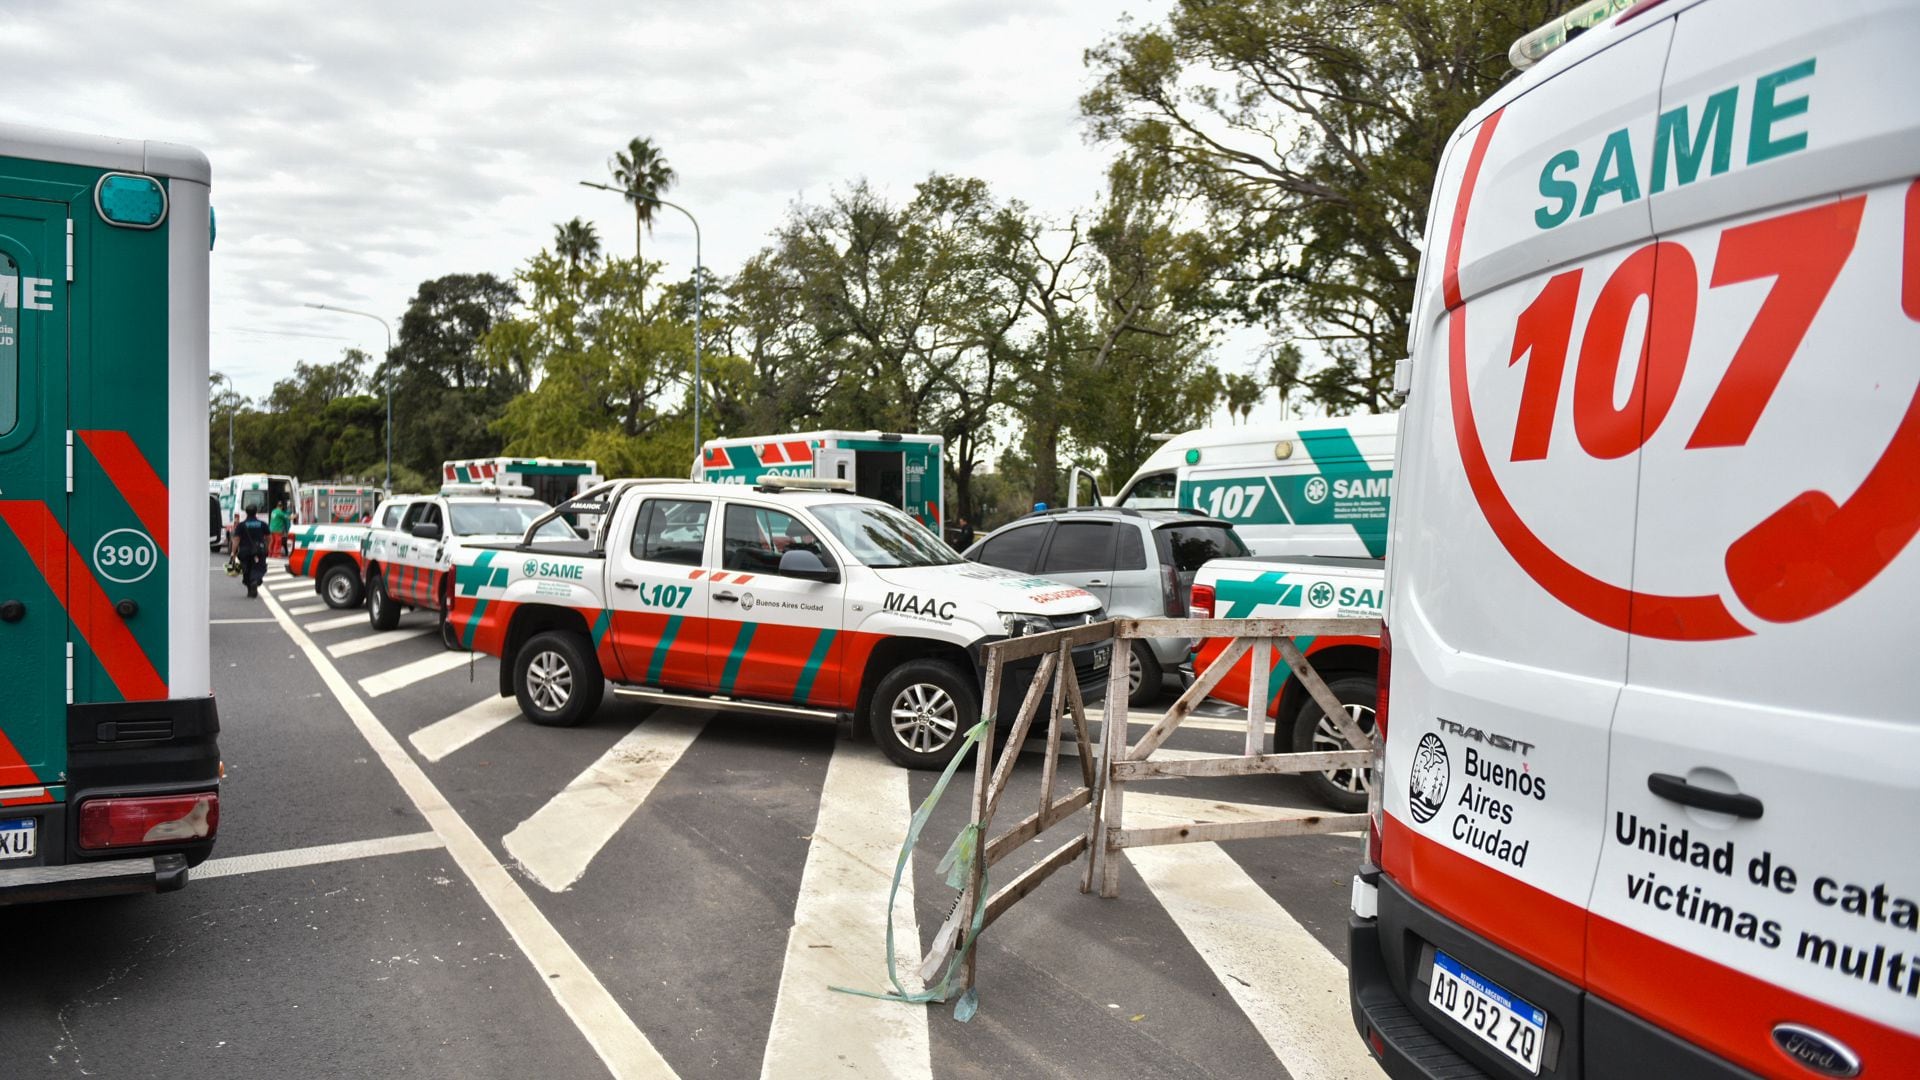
[{"x": 360, "y": 148}]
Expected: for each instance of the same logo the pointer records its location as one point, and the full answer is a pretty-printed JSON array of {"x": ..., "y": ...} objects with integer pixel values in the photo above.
[
  {"x": 1320, "y": 595},
  {"x": 1427, "y": 785},
  {"x": 1317, "y": 490},
  {"x": 530, "y": 568}
]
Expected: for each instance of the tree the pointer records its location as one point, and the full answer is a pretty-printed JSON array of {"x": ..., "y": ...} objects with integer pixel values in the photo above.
[
  {"x": 445, "y": 394},
  {"x": 1309, "y": 133},
  {"x": 643, "y": 175},
  {"x": 576, "y": 242}
]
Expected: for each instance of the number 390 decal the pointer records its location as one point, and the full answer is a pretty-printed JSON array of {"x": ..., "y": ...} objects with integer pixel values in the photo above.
[{"x": 1808, "y": 555}]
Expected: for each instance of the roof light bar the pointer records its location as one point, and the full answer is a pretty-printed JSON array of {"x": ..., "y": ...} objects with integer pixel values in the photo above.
[{"x": 1534, "y": 47}]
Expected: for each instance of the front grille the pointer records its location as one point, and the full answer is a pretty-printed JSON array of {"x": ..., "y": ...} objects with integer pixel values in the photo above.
[{"x": 1082, "y": 618}]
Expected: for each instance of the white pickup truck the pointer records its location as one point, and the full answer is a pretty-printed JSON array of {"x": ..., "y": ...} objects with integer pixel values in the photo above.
[
  {"x": 1312, "y": 587},
  {"x": 793, "y": 597},
  {"x": 414, "y": 539}
]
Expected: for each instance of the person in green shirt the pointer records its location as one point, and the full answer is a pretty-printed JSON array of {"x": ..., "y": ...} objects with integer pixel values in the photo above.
[{"x": 277, "y": 523}]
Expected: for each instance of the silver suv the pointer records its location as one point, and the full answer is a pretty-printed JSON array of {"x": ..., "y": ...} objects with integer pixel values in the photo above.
[{"x": 1137, "y": 563}]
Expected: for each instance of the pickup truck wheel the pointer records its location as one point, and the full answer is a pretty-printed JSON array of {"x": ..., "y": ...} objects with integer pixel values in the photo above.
[
  {"x": 557, "y": 679},
  {"x": 449, "y": 636},
  {"x": 921, "y": 711},
  {"x": 382, "y": 612},
  {"x": 340, "y": 587},
  {"x": 1314, "y": 732},
  {"x": 1144, "y": 675}
]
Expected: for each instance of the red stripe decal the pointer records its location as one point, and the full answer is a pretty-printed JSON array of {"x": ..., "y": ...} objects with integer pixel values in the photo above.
[
  {"x": 696, "y": 575},
  {"x": 798, "y": 451},
  {"x": 742, "y": 579},
  {"x": 718, "y": 579},
  {"x": 130, "y": 473},
  {"x": 14, "y": 770},
  {"x": 770, "y": 454},
  {"x": 86, "y": 604}
]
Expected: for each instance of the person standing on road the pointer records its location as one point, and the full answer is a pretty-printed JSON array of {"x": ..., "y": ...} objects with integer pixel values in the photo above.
[
  {"x": 277, "y": 523},
  {"x": 964, "y": 530},
  {"x": 251, "y": 539}
]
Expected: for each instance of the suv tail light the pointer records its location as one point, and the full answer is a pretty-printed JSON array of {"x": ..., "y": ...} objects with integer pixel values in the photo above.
[
  {"x": 1375, "y": 813},
  {"x": 1170, "y": 590},
  {"x": 1201, "y": 603},
  {"x": 158, "y": 819}
]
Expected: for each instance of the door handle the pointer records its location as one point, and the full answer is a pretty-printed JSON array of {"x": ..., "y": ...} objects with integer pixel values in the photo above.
[
  {"x": 725, "y": 596},
  {"x": 1677, "y": 789},
  {"x": 626, "y": 584},
  {"x": 1096, "y": 583}
]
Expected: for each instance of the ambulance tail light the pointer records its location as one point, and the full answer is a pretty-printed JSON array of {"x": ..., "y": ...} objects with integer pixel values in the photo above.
[
  {"x": 1200, "y": 602},
  {"x": 1375, "y": 814},
  {"x": 106, "y": 824}
]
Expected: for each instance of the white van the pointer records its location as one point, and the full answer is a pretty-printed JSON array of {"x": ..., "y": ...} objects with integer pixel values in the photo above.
[
  {"x": 1307, "y": 487},
  {"x": 1649, "y": 800}
]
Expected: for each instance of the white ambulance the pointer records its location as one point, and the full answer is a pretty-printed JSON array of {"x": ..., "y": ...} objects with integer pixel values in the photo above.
[
  {"x": 1650, "y": 789},
  {"x": 405, "y": 554},
  {"x": 1306, "y": 487}
]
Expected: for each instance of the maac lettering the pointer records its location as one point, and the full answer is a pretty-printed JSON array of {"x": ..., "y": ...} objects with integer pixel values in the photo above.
[{"x": 919, "y": 605}]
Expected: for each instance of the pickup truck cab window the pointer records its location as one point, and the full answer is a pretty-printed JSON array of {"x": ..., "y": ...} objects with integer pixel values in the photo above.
[
  {"x": 500, "y": 518},
  {"x": 390, "y": 518},
  {"x": 756, "y": 536},
  {"x": 882, "y": 537},
  {"x": 672, "y": 531},
  {"x": 422, "y": 512}
]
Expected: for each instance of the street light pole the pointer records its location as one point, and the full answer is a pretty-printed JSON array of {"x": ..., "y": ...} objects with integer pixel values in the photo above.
[
  {"x": 389, "y": 379},
  {"x": 222, "y": 376},
  {"x": 698, "y": 273}
]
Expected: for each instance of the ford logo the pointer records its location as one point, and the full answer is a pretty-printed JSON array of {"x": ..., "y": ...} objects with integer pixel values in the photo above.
[{"x": 1815, "y": 1050}]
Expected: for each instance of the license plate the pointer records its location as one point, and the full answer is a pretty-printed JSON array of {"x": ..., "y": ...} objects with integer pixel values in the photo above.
[
  {"x": 17, "y": 836},
  {"x": 1511, "y": 1025},
  {"x": 1101, "y": 656}
]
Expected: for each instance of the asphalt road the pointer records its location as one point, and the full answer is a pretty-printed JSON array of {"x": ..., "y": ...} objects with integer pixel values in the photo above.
[{"x": 412, "y": 881}]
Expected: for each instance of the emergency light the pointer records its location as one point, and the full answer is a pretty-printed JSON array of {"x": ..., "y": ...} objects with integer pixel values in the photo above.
[
  {"x": 135, "y": 202},
  {"x": 1534, "y": 47}
]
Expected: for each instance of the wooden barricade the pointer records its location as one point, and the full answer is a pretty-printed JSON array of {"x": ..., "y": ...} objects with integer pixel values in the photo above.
[{"x": 1108, "y": 766}]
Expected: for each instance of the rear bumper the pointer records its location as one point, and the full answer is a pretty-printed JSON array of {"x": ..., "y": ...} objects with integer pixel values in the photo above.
[
  {"x": 1388, "y": 960},
  {"x": 110, "y": 877}
]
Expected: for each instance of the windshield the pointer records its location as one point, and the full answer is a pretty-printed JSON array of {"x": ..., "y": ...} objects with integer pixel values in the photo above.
[
  {"x": 882, "y": 537},
  {"x": 505, "y": 519}
]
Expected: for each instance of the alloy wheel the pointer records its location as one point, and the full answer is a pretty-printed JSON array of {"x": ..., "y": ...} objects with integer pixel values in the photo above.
[
  {"x": 1327, "y": 739},
  {"x": 925, "y": 718},
  {"x": 549, "y": 681}
]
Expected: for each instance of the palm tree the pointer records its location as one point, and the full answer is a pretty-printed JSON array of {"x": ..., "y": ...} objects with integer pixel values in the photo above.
[
  {"x": 577, "y": 242},
  {"x": 642, "y": 171}
]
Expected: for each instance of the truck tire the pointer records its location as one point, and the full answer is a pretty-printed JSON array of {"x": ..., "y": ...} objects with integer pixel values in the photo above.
[
  {"x": 382, "y": 611},
  {"x": 557, "y": 679},
  {"x": 1144, "y": 675},
  {"x": 921, "y": 711},
  {"x": 1344, "y": 790},
  {"x": 340, "y": 587},
  {"x": 449, "y": 636}
]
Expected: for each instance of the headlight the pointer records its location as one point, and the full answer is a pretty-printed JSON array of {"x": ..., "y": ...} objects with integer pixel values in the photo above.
[{"x": 1018, "y": 624}]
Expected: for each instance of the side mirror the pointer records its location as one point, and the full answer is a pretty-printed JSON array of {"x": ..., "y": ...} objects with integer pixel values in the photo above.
[
  {"x": 426, "y": 530},
  {"x": 807, "y": 566}
]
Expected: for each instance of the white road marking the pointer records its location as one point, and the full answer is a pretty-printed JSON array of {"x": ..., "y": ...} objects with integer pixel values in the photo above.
[
  {"x": 839, "y": 935},
  {"x": 1070, "y": 748},
  {"x": 556, "y": 844},
  {"x": 315, "y": 856},
  {"x": 374, "y": 641},
  {"x": 341, "y": 623},
  {"x": 1289, "y": 986},
  {"x": 1137, "y": 718},
  {"x": 607, "y": 1028},
  {"x": 407, "y": 674},
  {"x": 305, "y": 609},
  {"x": 289, "y": 585},
  {"x": 443, "y": 737},
  {"x": 237, "y": 622}
]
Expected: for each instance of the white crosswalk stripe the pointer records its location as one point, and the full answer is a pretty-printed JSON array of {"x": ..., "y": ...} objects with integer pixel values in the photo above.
[
  {"x": 358, "y": 618},
  {"x": 407, "y": 674},
  {"x": 307, "y": 609},
  {"x": 839, "y": 934},
  {"x": 375, "y": 641},
  {"x": 557, "y": 843},
  {"x": 1291, "y": 988},
  {"x": 443, "y": 737},
  {"x": 1236, "y": 725}
]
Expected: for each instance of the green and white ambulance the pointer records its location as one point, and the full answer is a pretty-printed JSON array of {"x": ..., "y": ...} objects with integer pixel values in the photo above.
[
  {"x": 259, "y": 492},
  {"x": 1307, "y": 487},
  {"x": 897, "y": 469},
  {"x": 551, "y": 480},
  {"x": 109, "y": 764}
]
